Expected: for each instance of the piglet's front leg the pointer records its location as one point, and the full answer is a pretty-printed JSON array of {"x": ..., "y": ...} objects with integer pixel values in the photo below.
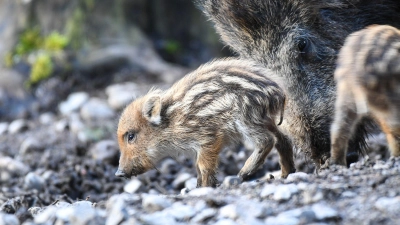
[{"x": 207, "y": 163}]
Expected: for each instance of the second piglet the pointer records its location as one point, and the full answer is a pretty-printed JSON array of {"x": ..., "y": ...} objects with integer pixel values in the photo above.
[{"x": 221, "y": 103}]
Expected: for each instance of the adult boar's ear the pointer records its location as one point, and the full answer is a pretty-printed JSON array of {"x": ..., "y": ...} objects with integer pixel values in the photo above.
[{"x": 152, "y": 109}]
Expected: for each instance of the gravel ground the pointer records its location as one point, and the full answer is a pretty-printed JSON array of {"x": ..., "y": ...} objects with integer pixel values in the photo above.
[{"x": 59, "y": 169}]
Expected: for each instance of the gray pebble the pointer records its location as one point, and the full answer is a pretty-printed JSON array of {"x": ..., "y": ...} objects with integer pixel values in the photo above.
[
  {"x": 46, "y": 118},
  {"x": 284, "y": 192},
  {"x": 119, "y": 95},
  {"x": 17, "y": 126},
  {"x": 230, "y": 181},
  {"x": 323, "y": 211},
  {"x": 61, "y": 125},
  {"x": 267, "y": 190},
  {"x": 3, "y": 127},
  {"x": 158, "y": 218},
  {"x": 180, "y": 180},
  {"x": 201, "y": 191},
  {"x": 73, "y": 102},
  {"x": 152, "y": 203},
  {"x": 229, "y": 211},
  {"x": 180, "y": 211},
  {"x": 390, "y": 205},
  {"x": 33, "y": 181},
  {"x": 8, "y": 219},
  {"x": 30, "y": 144},
  {"x": 204, "y": 215},
  {"x": 297, "y": 176},
  {"x": 281, "y": 220},
  {"x": 191, "y": 183},
  {"x": 47, "y": 215},
  {"x": 105, "y": 150},
  {"x": 117, "y": 210},
  {"x": 133, "y": 186},
  {"x": 96, "y": 109},
  {"x": 225, "y": 222}
]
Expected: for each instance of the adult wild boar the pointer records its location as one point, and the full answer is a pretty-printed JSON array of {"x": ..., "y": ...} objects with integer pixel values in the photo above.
[{"x": 299, "y": 40}]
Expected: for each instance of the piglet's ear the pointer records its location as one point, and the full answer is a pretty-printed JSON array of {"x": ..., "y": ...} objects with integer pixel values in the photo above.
[{"x": 152, "y": 109}]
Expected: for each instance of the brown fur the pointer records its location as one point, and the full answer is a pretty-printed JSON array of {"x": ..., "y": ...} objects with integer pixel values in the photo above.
[
  {"x": 221, "y": 103},
  {"x": 368, "y": 84}
]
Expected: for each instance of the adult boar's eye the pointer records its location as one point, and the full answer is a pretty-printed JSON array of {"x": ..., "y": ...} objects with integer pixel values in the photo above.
[{"x": 302, "y": 44}]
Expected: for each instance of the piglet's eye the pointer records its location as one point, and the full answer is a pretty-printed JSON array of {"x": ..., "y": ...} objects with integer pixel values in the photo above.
[{"x": 130, "y": 136}]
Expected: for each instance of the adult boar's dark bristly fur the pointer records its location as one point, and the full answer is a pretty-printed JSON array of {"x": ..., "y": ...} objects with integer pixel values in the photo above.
[{"x": 299, "y": 41}]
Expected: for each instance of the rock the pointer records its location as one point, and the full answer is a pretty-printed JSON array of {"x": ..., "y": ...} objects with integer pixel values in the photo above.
[
  {"x": 191, "y": 183},
  {"x": 184, "y": 191},
  {"x": 118, "y": 210},
  {"x": 324, "y": 212},
  {"x": 119, "y": 95},
  {"x": 79, "y": 213},
  {"x": 169, "y": 166},
  {"x": 158, "y": 218},
  {"x": 153, "y": 203},
  {"x": 180, "y": 180},
  {"x": 229, "y": 211},
  {"x": 284, "y": 192},
  {"x": 3, "y": 127},
  {"x": 10, "y": 168},
  {"x": 198, "y": 192},
  {"x": 133, "y": 186},
  {"x": 61, "y": 125},
  {"x": 17, "y": 126},
  {"x": 46, "y": 118},
  {"x": 30, "y": 144},
  {"x": 96, "y": 109},
  {"x": 105, "y": 150},
  {"x": 280, "y": 220},
  {"x": 303, "y": 214},
  {"x": 230, "y": 181},
  {"x": 225, "y": 222},
  {"x": 8, "y": 219},
  {"x": 73, "y": 102},
  {"x": 204, "y": 215},
  {"x": 75, "y": 124},
  {"x": 46, "y": 216},
  {"x": 253, "y": 209},
  {"x": 267, "y": 190},
  {"x": 297, "y": 176},
  {"x": 33, "y": 181},
  {"x": 180, "y": 211},
  {"x": 390, "y": 205}
]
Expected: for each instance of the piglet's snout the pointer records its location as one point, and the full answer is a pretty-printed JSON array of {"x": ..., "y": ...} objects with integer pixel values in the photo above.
[{"x": 121, "y": 173}]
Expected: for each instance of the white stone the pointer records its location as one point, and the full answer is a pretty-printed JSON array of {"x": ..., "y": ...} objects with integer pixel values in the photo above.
[
  {"x": 33, "y": 181},
  {"x": 29, "y": 144},
  {"x": 152, "y": 203},
  {"x": 105, "y": 150},
  {"x": 61, "y": 125},
  {"x": 8, "y": 219},
  {"x": 229, "y": 211},
  {"x": 180, "y": 211},
  {"x": 225, "y": 222},
  {"x": 204, "y": 215},
  {"x": 323, "y": 211},
  {"x": 73, "y": 102},
  {"x": 267, "y": 190},
  {"x": 284, "y": 192},
  {"x": 133, "y": 186},
  {"x": 279, "y": 220},
  {"x": 17, "y": 126},
  {"x": 296, "y": 176},
  {"x": 96, "y": 109},
  {"x": 181, "y": 179},
  {"x": 391, "y": 205},
  {"x": 158, "y": 218},
  {"x": 231, "y": 181},
  {"x": 201, "y": 191},
  {"x": 119, "y": 95},
  {"x": 3, "y": 127},
  {"x": 191, "y": 183},
  {"x": 46, "y": 118},
  {"x": 47, "y": 215}
]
